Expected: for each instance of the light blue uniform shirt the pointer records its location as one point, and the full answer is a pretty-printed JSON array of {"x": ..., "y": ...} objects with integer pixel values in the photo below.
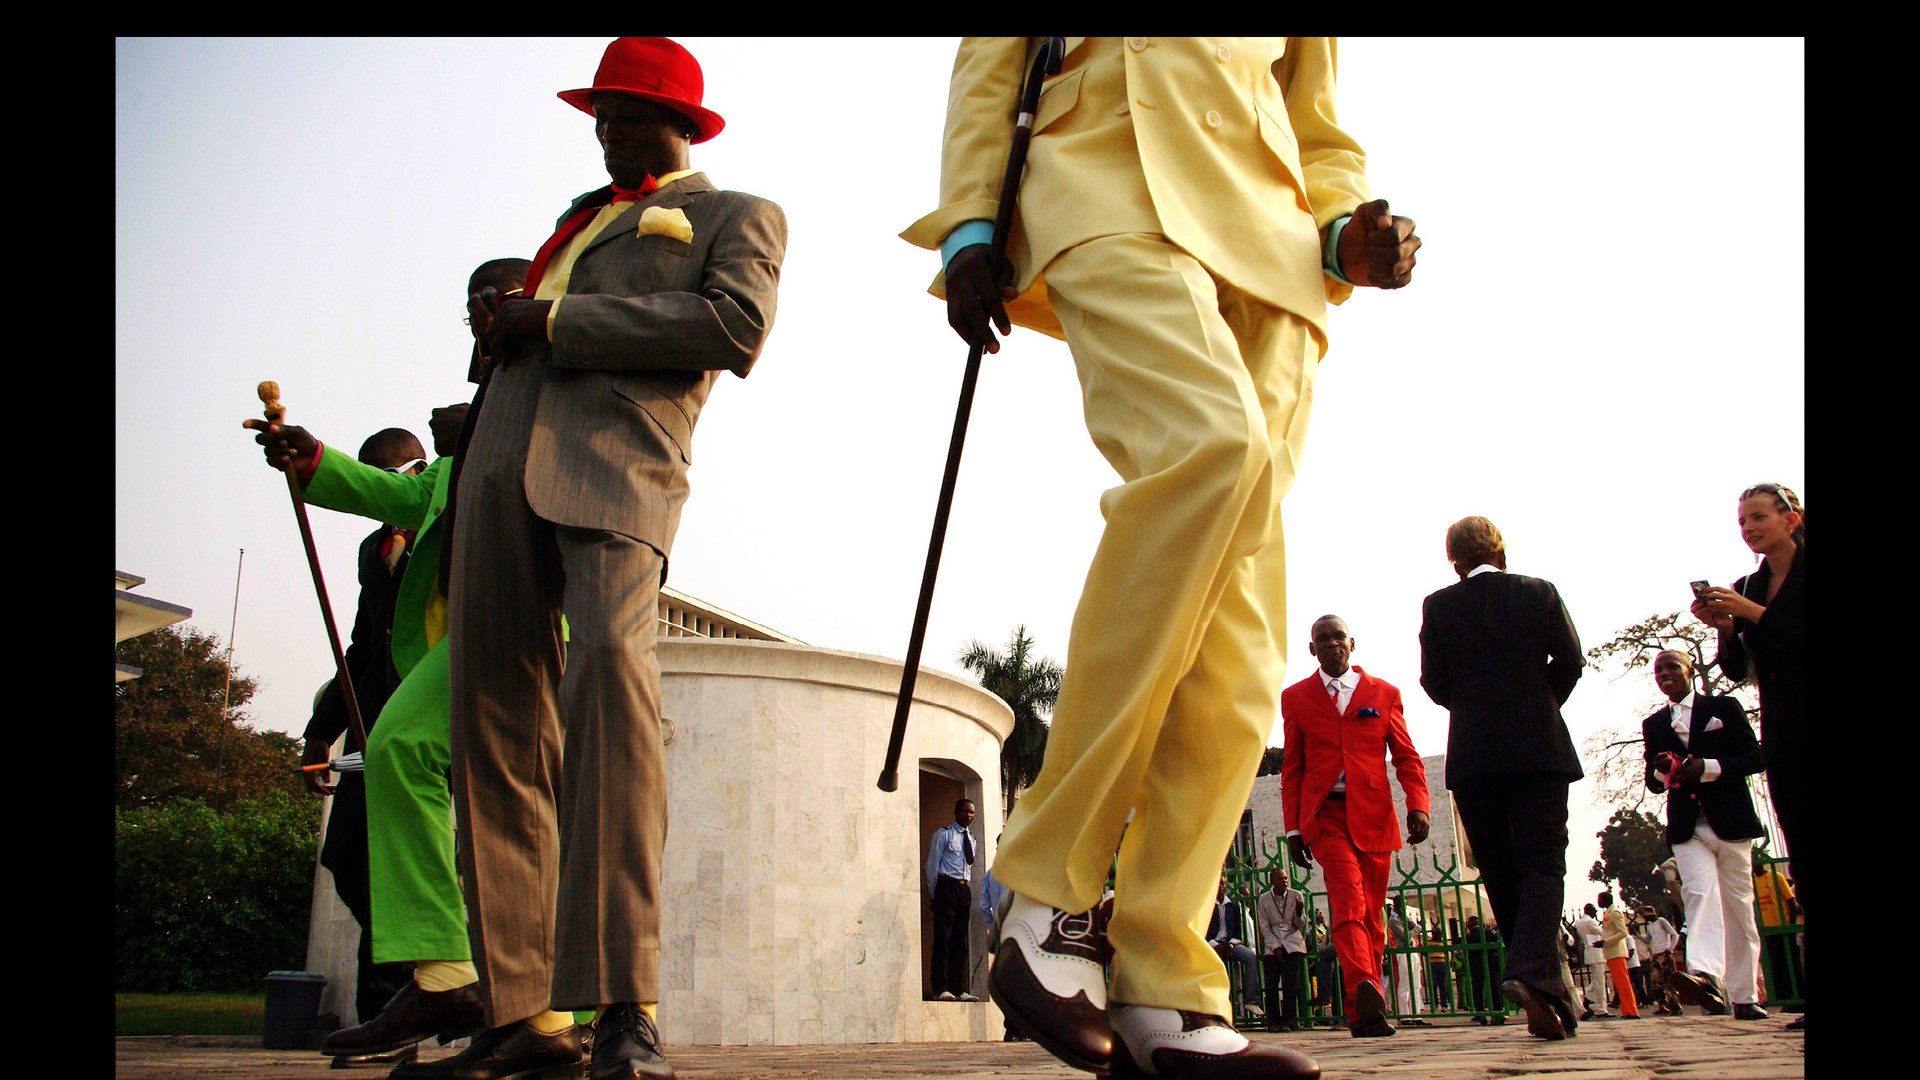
[{"x": 947, "y": 854}]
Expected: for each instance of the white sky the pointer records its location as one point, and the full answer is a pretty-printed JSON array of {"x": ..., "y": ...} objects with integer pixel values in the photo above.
[{"x": 1603, "y": 343}]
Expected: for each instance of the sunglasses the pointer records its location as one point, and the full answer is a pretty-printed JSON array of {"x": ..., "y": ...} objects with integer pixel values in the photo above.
[{"x": 414, "y": 466}]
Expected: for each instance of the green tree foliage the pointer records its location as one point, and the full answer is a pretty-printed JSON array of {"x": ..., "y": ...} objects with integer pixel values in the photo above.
[
  {"x": 1029, "y": 685},
  {"x": 171, "y": 739},
  {"x": 1632, "y": 847},
  {"x": 1271, "y": 760},
  {"x": 1615, "y": 756},
  {"x": 212, "y": 901}
]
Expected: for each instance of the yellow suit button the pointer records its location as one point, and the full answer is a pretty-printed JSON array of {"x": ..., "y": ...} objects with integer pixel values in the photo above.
[
  {"x": 1213, "y": 118},
  {"x": 1121, "y": 109},
  {"x": 1138, "y": 44},
  {"x": 1226, "y": 54}
]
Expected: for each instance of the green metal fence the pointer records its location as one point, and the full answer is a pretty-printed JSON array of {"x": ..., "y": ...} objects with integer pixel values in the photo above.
[{"x": 1431, "y": 969}]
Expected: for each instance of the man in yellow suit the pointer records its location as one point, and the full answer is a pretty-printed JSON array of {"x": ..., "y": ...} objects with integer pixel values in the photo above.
[{"x": 1189, "y": 208}]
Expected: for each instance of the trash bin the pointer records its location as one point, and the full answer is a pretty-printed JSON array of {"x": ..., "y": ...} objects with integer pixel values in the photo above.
[{"x": 293, "y": 1000}]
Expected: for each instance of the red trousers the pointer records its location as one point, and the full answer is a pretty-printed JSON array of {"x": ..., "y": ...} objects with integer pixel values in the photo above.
[
  {"x": 1623, "y": 986},
  {"x": 1357, "y": 893}
]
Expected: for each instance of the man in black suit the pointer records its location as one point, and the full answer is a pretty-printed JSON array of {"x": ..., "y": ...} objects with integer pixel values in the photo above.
[
  {"x": 1499, "y": 652},
  {"x": 1710, "y": 749}
]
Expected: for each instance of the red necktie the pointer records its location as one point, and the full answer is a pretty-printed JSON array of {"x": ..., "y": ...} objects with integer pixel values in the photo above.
[{"x": 572, "y": 226}]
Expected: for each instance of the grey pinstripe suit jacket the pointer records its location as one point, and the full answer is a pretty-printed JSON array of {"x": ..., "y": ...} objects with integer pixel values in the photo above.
[{"x": 646, "y": 327}]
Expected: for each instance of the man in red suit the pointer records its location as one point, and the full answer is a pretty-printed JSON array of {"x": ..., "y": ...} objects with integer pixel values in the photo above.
[{"x": 1339, "y": 725}]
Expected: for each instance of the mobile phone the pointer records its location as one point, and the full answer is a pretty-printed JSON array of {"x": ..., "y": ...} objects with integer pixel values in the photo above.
[{"x": 1700, "y": 586}]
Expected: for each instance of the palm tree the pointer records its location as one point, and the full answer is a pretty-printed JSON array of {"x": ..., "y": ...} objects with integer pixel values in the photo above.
[{"x": 1029, "y": 686}]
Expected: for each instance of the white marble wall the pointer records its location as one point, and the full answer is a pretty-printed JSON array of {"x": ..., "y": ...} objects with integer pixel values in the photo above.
[{"x": 793, "y": 896}]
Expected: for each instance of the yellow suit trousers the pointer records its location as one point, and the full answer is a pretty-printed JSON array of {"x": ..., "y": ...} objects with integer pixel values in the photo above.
[{"x": 1198, "y": 395}]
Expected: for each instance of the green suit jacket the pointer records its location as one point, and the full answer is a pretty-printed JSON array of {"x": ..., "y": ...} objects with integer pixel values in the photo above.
[{"x": 406, "y": 502}]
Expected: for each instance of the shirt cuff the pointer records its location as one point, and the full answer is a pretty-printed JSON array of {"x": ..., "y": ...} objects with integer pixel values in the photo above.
[
  {"x": 965, "y": 234},
  {"x": 553, "y": 309},
  {"x": 313, "y": 463},
  {"x": 1293, "y": 832},
  {"x": 1330, "y": 255},
  {"x": 1712, "y": 770}
]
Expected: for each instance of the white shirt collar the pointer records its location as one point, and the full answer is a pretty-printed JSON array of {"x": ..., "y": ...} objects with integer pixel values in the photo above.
[
  {"x": 1484, "y": 568},
  {"x": 1348, "y": 679},
  {"x": 1684, "y": 703}
]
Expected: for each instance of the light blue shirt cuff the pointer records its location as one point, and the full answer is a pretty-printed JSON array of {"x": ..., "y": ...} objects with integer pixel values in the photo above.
[
  {"x": 965, "y": 234},
  {"x": 1330, "y": 257}
]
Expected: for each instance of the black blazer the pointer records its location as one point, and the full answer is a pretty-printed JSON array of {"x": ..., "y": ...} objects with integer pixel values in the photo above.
[
  {"x": 1499, "y": 652},
  {"x": 1773, "y": 651},
  {"x": 369, "y": 651},
  {"x": 1725, "y": 801}
]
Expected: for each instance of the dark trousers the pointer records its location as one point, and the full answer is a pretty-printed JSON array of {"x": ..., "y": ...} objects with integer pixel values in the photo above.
[
  {"x": 344, "y": 854},
  {"x": 1284, "y": 972},
  {"x": 1517, "y": 826},
  {"x": 952, "y": 911},
  {"x": 1786, "y": 783}
]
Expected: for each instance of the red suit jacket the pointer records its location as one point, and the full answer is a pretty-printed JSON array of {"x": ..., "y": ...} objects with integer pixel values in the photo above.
[{"x": 1320, "y": 742}]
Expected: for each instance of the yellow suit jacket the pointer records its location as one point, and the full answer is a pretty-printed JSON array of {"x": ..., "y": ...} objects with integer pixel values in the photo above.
[{"x": 1229, "y": 147}]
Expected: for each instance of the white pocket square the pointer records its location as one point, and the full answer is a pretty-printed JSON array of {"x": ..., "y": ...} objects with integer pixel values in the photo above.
[
  {"x": 663, "y": 221},
  {"x": 1713, "y": 724}
]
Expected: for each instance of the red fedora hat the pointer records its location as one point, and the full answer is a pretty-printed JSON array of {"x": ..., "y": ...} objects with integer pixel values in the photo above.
[{"x": 657, "y": 69}]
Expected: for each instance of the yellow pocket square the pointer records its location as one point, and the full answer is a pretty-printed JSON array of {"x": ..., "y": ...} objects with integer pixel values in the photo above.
[{"x": 662, "y": 221}]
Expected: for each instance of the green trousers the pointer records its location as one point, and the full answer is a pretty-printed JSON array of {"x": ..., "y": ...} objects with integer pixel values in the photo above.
[{"x": 418, "y": 912}]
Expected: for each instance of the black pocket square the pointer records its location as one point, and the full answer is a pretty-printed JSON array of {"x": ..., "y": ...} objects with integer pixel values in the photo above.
[{"x": 1369, "y": 713}]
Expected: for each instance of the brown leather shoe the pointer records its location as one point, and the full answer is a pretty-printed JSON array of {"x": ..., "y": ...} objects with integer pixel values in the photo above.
[
  {"x": 1046, "y": 977},
  {"x": 1699, "y": 989},
  {"x": 1543, "y": 1018},
  {"x": 1195, "y": 1046},
  {"x": 512, "y": 1052},
  {"x": 411, "y": 1015}
]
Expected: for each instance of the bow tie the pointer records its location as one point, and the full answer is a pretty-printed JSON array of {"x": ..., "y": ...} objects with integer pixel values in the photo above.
[{"x": 647, "y": 187}]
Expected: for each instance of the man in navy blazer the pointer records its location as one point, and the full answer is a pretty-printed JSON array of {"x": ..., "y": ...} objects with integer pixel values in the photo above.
[
  {"x": 1499, "y": 652},
  {"x": 1700, "y": 751}
]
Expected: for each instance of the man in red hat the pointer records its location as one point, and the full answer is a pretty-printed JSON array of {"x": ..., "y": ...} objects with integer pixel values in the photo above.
[{"x": 568, "y": 499}]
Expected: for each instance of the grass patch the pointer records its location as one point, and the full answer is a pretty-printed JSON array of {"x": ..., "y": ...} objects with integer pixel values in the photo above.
[{"x": 188, "y": 1014}]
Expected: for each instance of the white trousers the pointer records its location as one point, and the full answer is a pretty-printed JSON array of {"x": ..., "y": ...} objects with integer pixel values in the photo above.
[
  {"x": 1593, "y": 980},
  {"x": 1716, "y": 885}
]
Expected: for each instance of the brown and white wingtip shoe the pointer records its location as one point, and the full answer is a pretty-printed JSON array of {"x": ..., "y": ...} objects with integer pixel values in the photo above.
[
  {"x": 1149, "y": 1041},
  {"x": 1046, "y": 977}
]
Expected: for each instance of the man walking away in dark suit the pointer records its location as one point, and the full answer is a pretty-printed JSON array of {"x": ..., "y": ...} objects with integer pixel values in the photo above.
[
  {"x": 1711, "y": 750},
  {"x": 1499, "y": 652}
]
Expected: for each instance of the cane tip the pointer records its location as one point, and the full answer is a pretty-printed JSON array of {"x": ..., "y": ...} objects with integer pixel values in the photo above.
[
  {"x": 269, "y": 391},
  {"x": 890, "y": 780}
]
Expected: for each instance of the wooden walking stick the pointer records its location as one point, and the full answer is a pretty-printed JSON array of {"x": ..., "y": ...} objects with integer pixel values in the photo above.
[
  {"x": 1046, "y": 62},
  {"x": 274, "y": 411}
]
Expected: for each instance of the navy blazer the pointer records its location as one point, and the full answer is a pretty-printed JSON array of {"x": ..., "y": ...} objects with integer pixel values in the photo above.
[
  {"x": 1725, "y": 800},
  {"x": 1499, "y": 653},
  {"x": 1234, "y": 927}
]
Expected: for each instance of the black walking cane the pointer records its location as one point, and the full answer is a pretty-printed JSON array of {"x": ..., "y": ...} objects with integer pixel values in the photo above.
[
  {"x": 274, "y": 411},
  {"x": 1045, "y": 63}
]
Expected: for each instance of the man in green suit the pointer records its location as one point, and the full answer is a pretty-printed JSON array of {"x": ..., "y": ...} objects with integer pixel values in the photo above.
[{"x": 419, "y": 914}]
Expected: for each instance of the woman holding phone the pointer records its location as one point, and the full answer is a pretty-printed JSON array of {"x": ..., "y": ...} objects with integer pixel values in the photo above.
[{"x": 1762, "y": 624}]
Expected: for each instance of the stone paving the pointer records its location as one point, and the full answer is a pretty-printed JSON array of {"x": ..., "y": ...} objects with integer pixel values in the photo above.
[{"x": 1683, "y": 1046}]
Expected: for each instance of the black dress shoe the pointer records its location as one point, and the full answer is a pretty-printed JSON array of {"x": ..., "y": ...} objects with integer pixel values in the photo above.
[
  {"x": 1543, "y": 1018},
  {"x": 626, "y": 1046},
  {"x": 1750, "y": 1012},
  {"x": 1798, "y": 1025},
  {"x": 375, "y": 1061},
  {"x": 411, "y": 1015},
  {"x": 1370, "y": 1013},
  {"x": 1195, "y": 1046},
  {"x": 511, "y": 1052}
]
